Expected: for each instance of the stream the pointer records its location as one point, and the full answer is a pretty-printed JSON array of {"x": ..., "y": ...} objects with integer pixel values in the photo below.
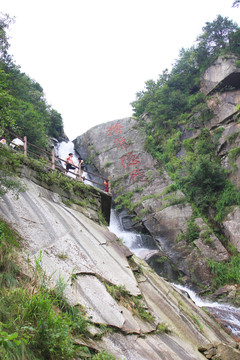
[
  {"x": 228, "y": 316},
  {"x": 144, "y": 246}
]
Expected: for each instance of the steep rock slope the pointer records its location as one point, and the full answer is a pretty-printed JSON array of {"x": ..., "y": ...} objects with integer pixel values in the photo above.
[
  {"x": 94, "y": 257},
  {"x": 145, "y": 189},
  {"x": 222, "y": 82}
]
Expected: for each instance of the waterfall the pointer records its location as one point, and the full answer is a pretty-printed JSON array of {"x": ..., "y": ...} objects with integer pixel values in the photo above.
[
  {"x": 135, "y": 242},
  {"x": 62, "y": 151},
  {"x": 227, "y": 315},
  {"x": 145, "y": 247}
]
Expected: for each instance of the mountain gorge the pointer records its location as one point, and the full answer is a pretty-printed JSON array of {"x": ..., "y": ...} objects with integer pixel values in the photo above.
[
  {"x": 65, "y": 254},
  {"x": 155, "y": 202},
  {"x": 70, "y": 288}
]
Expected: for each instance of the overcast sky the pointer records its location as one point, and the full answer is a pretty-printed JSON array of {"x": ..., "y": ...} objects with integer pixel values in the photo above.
[{"x": 92, "y": 56}]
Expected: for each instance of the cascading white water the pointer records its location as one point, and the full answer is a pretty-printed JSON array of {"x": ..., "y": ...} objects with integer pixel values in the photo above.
[
  {"x": 228, "y": 315},
  {"x": 63, "y": 149},
  {"x": 130, "y": 239}
]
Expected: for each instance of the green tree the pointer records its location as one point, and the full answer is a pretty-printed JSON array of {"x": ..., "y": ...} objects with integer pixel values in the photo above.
[
  {"x": 5, "y": 22},
  {"x": 204, "y": 181},
  {"x": 216, "y": 34},
  {"x": 23, "y": 107},
  {"x": 6, "y": 100},
  {"x": 185, "y": 73},
  {"x": 234, "y": 42},
  {"x": 55, "y": 124}
]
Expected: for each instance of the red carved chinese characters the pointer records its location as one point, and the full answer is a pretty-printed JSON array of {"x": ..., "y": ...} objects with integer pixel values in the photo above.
[
  {"x": 137, "y": 175},
  {"x": 114, "y": 129},
  {"x": 129, "y": 159},
  {"x": 121, "y": 143}
]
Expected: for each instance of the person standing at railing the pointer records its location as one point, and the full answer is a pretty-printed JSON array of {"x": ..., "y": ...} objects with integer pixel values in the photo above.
[
  {"x": 69, "y": 163},
  {"x": 81, "y": 167},
  {"x": 80, "y": 163},
  {"x": 15, "y": 143},
  {"x": 106, "y": 183},
  {"x": 3, "y": 141}
]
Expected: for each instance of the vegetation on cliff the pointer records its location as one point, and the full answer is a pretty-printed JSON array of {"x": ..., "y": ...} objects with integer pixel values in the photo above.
[
  {"x": 35, "y": 321},
  {"x": 175, "y": 110},
  {"x": 171, "y": 100},
  {"x": 23, "y": 107},
  {"x": 174, "y": 104}
]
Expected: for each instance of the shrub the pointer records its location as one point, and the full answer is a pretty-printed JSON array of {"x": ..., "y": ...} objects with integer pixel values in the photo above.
[
  {"x": 124, "y": 201},
  {"x": 107, "y": 164},
  {"x": 192, "y": 232},
  {"x": 103, "y": 355},
  {"x": 35, "y": 322},
  {"x": 135, "y": 303},
  {"x": 225, "y": 273},
  {"x": 234, "y": 153},
  {"x": 204, "y": 182},
  {"x": 228, "y": 197}
]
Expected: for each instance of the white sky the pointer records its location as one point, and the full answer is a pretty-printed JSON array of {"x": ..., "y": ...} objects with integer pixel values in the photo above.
[{"x": 92, "y": 56}]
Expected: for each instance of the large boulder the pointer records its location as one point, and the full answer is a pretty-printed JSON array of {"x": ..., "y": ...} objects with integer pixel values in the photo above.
[
  {"x": 145, "y": 190},
  {"x": 232, "y": 227},
  {"x": 224, "y": 106},
  {"x": 220, "y": 352},
  {"x": 223, "y": 72}
]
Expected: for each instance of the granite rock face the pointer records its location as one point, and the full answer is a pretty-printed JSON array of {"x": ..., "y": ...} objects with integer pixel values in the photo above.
[
  {"x": 224, "y": 71},
  {"x": 232, "y": 227},
  {"x": 220, "y": 352},
  {"x": 221, "y": 82},
  {"x": 87, "y": 256},
  {"x": 224, "y": 107},
  {"x": 146, "y": 189}
]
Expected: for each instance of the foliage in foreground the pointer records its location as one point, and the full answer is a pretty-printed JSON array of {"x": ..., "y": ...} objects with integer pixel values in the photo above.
[{"x": 37, "y": 322}]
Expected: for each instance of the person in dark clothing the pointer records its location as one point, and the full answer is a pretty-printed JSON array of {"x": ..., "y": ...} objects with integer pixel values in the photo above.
[{"x": 81, "y": 163}]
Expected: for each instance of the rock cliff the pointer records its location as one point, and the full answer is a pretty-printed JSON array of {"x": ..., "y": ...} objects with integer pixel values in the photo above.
[
  {"x": 221, "y": 82},
  {"x": 163, "y": 323},
  {"x": 143, "y": 187}
]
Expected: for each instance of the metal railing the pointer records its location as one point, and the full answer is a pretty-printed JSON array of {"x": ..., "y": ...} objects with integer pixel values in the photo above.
[{"x": 51, "y": 158}]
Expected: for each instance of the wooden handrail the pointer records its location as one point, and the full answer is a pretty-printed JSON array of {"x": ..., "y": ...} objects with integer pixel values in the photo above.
[{"x": 53, "y": 157}]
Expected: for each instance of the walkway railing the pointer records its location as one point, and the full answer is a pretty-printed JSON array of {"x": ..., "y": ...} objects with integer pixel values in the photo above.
[{"x": 21, "y": 143}]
